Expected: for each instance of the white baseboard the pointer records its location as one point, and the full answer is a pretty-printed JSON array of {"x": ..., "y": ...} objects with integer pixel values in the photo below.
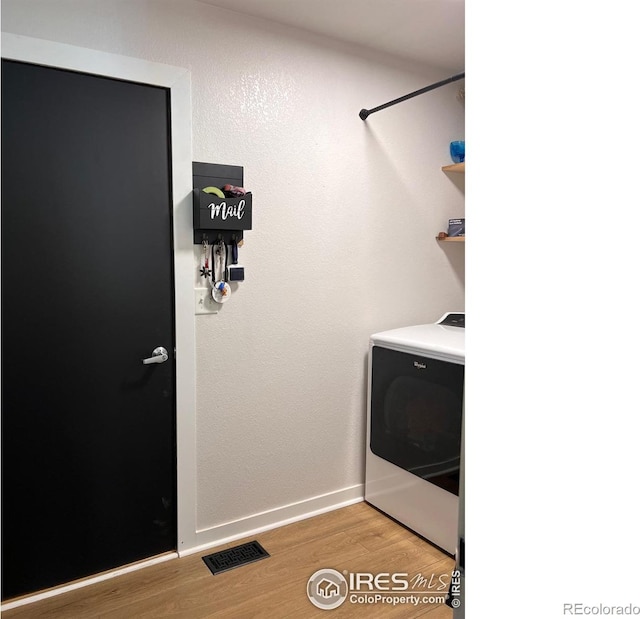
[{"x": 272, "y": 519}]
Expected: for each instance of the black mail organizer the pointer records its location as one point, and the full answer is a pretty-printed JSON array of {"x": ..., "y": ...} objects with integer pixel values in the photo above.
[{"x": 215, "y": 218}]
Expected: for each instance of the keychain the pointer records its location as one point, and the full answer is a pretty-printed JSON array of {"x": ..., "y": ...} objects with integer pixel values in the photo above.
[
  {"x": 220, "y": 290},
  {"x": 205, "y": 271},
  {"x": 235, "y": 272},
  {"x": 234, "y": 250}
]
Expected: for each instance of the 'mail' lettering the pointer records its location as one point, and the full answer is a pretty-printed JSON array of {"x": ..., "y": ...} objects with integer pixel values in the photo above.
[{"x": 223, "y": 211}]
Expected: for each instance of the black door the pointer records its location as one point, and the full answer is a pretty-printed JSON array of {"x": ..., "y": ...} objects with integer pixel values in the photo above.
[
  {"x": 416, "y": 415},
  {"x": 88, "y": 430}
]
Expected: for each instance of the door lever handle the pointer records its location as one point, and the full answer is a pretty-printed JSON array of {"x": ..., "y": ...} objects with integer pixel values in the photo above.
[{"x": 159, "y": 355}]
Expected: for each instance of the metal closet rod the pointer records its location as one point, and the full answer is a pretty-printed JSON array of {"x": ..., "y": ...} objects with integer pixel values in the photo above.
[{"x": 364, "y": 113}]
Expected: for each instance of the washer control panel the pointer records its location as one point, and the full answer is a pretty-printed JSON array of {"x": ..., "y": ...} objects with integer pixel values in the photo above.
[{"x": 452, "y": 320}]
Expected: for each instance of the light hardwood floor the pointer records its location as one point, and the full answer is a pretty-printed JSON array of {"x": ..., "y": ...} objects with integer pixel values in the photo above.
[{"x": 357, "y": 538}]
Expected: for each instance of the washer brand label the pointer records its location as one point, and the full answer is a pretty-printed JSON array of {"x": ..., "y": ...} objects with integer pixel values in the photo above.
[{"x": 420, "y": 366}]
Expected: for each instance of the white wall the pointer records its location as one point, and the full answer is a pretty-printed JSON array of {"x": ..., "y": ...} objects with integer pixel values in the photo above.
[{"x": 345, "y": 214}]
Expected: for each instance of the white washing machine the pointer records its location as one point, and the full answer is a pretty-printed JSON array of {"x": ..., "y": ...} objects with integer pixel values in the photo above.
[{"x": 414, "y": 427}]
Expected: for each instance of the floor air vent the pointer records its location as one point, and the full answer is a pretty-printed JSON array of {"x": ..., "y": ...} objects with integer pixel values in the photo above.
[{"x": 235, "y": 557}]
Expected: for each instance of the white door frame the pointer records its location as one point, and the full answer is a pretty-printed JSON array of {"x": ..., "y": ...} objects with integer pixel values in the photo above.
[{"x": 178, "y": 81}]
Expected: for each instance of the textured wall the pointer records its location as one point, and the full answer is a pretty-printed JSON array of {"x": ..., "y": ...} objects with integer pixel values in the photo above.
[{"x": 345, "y": 215}]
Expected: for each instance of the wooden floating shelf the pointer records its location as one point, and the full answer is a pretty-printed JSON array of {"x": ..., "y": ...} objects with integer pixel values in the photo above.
[
  {"x": 456, "y": 167},
  {"x": 451, "y": 239}
]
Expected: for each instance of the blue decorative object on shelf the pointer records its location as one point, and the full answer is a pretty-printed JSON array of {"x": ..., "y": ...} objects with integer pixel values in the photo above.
[{"x": 457, "y": 151}]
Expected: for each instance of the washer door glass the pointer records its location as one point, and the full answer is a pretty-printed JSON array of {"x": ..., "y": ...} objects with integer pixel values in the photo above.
[{"x": 416, "y": 415}]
